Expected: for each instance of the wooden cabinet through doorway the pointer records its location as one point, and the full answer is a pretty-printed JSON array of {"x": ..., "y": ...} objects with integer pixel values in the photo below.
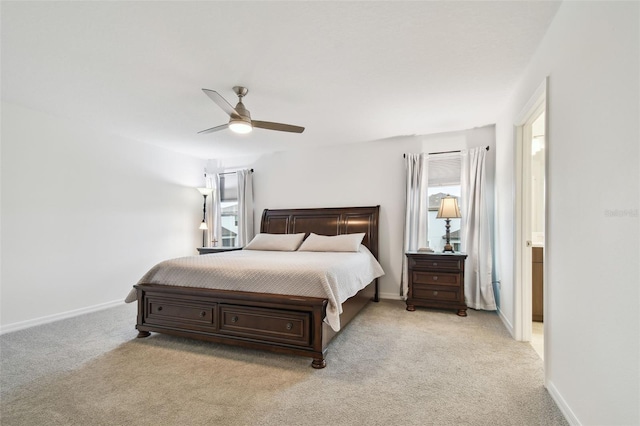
[{"x": 537, "y": 273}]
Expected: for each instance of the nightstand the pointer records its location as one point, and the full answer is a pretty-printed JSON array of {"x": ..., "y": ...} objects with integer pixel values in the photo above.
[
  {"x": 436, "y": 280},
  {"x": 207, "y": 250}
]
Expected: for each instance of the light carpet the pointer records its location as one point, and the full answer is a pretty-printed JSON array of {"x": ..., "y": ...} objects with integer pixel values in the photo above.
[{"x": 388, "y": 367}]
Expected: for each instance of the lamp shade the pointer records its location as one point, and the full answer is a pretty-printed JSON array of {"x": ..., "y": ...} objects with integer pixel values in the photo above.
[
  {"x": 449, "y": 208},
  {"x": 203, "y": 226},
  {"x": 205, "y": 191}
]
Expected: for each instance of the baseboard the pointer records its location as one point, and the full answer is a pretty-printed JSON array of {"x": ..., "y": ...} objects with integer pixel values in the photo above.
[
  {"x": 506, "y": 323},
  {"x": 562, "y": 405},
  {"x": 390, "y": 296},
  {"x": 21, "y": 325}
]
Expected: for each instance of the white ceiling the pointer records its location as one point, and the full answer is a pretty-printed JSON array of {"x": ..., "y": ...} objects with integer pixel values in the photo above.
[{"x": 347, "y": 71}]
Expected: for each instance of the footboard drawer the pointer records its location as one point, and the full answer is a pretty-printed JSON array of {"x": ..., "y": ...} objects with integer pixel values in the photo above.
[
  {"x": 188, "y": 314},
  {"x": 266, "y": 324}
]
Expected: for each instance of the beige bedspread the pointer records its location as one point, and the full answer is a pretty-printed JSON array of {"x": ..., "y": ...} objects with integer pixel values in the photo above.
[{"x": 330, "y": 275}]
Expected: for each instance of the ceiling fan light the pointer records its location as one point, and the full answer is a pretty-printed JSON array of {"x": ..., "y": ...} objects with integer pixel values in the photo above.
[{"x": 239, "y": 126}]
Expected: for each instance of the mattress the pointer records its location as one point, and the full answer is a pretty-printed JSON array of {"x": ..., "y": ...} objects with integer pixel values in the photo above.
[{"x": 335, "y": 276}]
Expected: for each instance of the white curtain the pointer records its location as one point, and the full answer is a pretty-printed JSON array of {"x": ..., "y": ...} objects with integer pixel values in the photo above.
[
  {"x": 416, "y": 210},
  {"x": 245, "y": 207},
  {"x": 476, "y": 240},
  {"x": 213, "y": 210}
]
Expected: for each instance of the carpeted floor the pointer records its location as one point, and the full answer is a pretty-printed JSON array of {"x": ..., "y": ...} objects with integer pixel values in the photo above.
[{"x": 388, "y": 367}]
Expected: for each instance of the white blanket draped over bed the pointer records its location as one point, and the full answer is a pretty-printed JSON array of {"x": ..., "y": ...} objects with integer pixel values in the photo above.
[{"x": 335, "y": 276}]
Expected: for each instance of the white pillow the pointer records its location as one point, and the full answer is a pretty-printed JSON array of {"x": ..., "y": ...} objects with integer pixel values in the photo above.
[
  {"x": 345, "y": 242},
  {"x": 275, "y": 242}
]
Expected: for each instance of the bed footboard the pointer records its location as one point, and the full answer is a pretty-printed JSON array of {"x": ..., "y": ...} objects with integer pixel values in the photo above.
[{"x": 285, "y": 324}]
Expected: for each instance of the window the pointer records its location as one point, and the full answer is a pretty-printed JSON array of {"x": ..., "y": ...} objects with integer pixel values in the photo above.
[
  {"x": 229, "y": 209},
  {"x": 444, "y": 179}
]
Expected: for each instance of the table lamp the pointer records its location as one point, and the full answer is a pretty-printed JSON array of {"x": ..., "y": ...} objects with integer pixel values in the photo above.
[{"x": 448, "y": 210}]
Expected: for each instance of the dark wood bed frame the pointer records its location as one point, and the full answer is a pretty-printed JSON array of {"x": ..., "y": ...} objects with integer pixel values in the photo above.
[{"x": 280, "y": 323}]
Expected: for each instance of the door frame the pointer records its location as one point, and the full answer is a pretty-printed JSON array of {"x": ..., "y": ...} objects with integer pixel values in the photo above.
[{"x": 523, "y": 297}]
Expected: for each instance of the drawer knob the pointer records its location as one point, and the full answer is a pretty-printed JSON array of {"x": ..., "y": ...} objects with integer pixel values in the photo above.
[
  {"x": 203, "y": 314},
  {"x": 289, "y": 326},
  {"x": 435, "y": 293},
  {"x": 435, "y": 263},
  {"x": 159, "y": 308},
  {"x": 234, "y": 319},
  {"x": 435, "y": 278}
]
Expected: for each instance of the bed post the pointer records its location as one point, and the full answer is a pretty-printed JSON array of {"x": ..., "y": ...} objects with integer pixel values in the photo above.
[
  {"x": 319, "y": 363},
  {"x": 141, "y": 333},
  {"x": 376, "y": 295}
]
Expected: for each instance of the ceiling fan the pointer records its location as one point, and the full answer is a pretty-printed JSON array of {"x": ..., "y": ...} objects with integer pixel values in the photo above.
[{"x": 240, "y": 120}]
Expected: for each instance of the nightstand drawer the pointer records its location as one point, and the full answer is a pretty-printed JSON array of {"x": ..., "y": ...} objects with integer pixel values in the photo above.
[
  {"x": 440, "y": 264},
  {"x": 433, "y": 293},
  {"x": 435, "y": 278}
]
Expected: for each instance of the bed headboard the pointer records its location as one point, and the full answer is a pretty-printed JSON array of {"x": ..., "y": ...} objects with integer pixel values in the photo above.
[{"x": 325, "y": 221}]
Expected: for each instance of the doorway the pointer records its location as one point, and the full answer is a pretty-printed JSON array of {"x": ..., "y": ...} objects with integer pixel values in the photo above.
[
  {"x": 531, "y": 165},
  {"x": 537, "y": 135}
]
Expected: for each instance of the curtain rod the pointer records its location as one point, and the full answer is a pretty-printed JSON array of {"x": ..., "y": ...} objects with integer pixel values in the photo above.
[
  {"x": 443, "y": 152},
  {"x": 230, "y": 173}
]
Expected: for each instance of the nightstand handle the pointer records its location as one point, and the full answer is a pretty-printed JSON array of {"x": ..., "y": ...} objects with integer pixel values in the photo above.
[
  {"x": 435, "y": 278},
  {"x": 435, "y": 263},
  {"x": 289, "y": 326},
  {"x": 234, "y": 319},
  {"x": 203, "y": 314},
  {"x": 435, "y": 293}
]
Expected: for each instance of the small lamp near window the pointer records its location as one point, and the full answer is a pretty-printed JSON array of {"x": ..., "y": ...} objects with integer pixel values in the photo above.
[
  {"x": 203, "y": 225},
  {"x": 448, "y": 210}
]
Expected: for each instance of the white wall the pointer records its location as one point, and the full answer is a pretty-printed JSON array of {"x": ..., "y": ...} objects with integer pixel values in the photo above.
[
  {"x": 85, "y": 214},
  {"x": 590, "y": 54},
  {"x": 357, "y": 174}
]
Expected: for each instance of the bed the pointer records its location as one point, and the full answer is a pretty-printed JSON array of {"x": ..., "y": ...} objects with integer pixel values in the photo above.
[{"x": 284, "y": 323}]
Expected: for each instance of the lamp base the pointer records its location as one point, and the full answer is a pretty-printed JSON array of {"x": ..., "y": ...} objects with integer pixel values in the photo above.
[{"x": 448, "y": 246}]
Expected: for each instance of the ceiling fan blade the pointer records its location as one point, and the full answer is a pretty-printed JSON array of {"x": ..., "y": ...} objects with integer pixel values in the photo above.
[
  {"x": 277, "y": 126},
  {"x": 221, "y": 102},
  {"x": 214, "y": 129}
]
